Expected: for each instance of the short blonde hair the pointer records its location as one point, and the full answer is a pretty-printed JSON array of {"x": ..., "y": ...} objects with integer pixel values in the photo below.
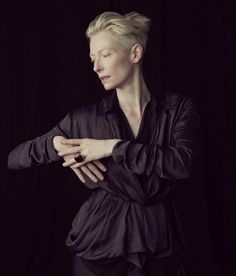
[{"x": 129, "y": 29}]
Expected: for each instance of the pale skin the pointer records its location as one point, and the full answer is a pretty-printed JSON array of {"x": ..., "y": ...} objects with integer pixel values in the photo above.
[{"x": 118, "y": 68}]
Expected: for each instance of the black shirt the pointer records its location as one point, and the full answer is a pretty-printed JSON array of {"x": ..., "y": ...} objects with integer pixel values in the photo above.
[{"x": 129, "y": 213}]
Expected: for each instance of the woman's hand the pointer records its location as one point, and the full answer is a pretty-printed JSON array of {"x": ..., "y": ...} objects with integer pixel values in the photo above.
[
  {"x": 90, "y": 149},
  {"x": 91, "y": 169}
]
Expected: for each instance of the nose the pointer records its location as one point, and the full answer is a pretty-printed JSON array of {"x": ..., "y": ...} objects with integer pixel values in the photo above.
[{"x": 97, "y": 66}]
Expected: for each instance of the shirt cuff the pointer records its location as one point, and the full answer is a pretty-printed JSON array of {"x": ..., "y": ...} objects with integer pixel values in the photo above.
[{"x": 119, "y": 150}]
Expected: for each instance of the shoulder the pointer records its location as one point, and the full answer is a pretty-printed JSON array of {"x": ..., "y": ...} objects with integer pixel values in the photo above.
[
  {"x": 183, "y": 108},
  {"x": 172, "y": 100},
  {"x": 180, "y": 106}
]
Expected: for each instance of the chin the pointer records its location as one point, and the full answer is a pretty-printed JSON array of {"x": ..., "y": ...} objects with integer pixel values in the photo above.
[{"x": 109, "y": 87}]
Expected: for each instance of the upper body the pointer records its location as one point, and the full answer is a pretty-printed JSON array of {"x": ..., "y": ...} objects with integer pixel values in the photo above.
[
  {"x": 128, "y": 211},
  {"x": 146, "y": 143}
]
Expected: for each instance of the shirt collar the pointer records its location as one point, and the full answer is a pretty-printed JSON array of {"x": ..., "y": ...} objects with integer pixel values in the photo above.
[{"x": 110, "y": 103}]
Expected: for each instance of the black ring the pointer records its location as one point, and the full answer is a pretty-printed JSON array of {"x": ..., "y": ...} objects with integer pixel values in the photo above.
[{"x": 79, "y": 158}]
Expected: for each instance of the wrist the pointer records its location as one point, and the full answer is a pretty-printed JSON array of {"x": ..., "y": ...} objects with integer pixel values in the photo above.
[{"x": 111, "y": 144}]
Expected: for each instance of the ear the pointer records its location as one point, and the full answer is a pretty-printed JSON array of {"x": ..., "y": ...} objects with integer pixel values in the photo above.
[{"x": 136, "y": 53}]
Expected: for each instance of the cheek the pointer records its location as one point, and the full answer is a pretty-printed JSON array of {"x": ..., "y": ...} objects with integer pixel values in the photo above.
[{"x": 121, "y": 67}]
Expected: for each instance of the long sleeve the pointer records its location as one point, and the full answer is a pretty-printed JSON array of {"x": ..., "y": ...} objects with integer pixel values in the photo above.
[
  {"x": 170, "y": 162},
  {"x": 40, "y": 150}
]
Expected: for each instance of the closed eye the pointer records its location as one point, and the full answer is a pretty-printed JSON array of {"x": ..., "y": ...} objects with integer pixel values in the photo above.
[{"x": 106, "y": 54}]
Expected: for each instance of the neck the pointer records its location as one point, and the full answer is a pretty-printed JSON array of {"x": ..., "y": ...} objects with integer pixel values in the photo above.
[{"x": 134, "y": 97}]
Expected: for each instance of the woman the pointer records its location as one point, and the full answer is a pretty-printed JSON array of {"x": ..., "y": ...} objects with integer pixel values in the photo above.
[{"x": 128, "y": 225}]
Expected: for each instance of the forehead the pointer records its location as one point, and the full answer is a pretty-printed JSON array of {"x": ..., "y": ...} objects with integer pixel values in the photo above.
[{"x": 104, "y": 40}]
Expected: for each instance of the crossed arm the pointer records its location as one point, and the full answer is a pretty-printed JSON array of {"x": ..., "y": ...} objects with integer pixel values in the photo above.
[{"x": 170, "y": 162}]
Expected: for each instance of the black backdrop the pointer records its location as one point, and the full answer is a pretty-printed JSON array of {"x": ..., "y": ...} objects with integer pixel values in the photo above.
[{"x": 45, "y": 71}]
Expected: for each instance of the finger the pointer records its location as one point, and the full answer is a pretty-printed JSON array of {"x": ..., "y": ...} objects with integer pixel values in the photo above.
[
  {"x": 100, "y": 165},
  {"x": 69, "y": 162},
  {"x": 78, "y": 164},
  {"x": 71, "y": 141},
  {"x": 89, "y": 173},
  {"x": 79, "y": 174},
  {"x": 67, "y": 151},
  {"x": 94, "y": 170},
  {"x": 68, "y": 157}
]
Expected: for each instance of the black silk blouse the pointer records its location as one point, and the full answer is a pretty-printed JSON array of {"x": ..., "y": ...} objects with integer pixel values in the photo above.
[{"x": 128, "y": 214}]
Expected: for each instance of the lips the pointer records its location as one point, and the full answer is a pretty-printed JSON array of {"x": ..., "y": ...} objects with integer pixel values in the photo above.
[{"x": 104, "y": 78}]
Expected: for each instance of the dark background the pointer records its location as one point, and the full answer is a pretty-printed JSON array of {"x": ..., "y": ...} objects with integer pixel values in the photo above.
[{"x": 45, "y": 71}]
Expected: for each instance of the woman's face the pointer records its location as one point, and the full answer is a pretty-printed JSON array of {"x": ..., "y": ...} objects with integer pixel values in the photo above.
[{"x": 112, "y": 61}]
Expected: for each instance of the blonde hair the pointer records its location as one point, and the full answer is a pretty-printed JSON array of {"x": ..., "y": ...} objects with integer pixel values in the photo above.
[{"x": 129, "y": 29}]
